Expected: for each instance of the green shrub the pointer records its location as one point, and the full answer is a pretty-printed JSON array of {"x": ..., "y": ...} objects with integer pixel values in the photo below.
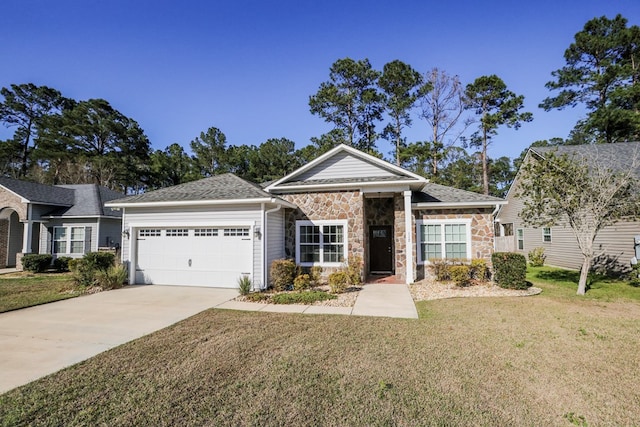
[
  {"x": 536, "y": 257},
  {"x": 283, "y": 271},
  {"x": 74, "y": 264},
  {"x": 478, "y": 269},
  {"x": 111, "y": 278},
  {"x": 244, "y": 285},
  {"x": 339, "y": 281},
  {"x": 257, "y": 297},
  {"x": 440, "y": 269},
  {"x": 461, "y": 275},
  {"x": 99, "y": 260},
  {"x": 36, "y": 263},
  {"x": 83, "y": 273},
  {"x": 61, "y": 264},
  {"x": 306, "y": 297},
  {"x": 510, "y": 270},
  {"x": 302, "y": 282}
]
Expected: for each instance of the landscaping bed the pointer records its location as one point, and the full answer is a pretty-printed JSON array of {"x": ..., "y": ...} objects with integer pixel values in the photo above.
[
  {"x": 429, "y": 289},
  {"x": 345, "y": 299}
]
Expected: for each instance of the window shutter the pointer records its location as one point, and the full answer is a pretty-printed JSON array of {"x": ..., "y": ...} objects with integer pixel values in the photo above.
[
  {"x": 49, "y": 246},
  {"x": 87, "y": 240}
]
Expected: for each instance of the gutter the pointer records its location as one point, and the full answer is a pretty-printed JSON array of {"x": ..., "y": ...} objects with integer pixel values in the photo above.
[
  {"x": 455, "y": 205},
  {"x": 272, "y": 200}
]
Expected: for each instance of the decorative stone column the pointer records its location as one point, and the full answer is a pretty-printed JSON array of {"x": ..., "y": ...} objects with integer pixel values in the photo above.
[{"x": 410, "y": 277}]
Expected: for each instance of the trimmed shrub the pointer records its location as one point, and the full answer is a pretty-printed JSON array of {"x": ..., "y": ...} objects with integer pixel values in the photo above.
[
  {"x": 536, "y": 257},
  {"x": 61, "y": 264},
  {"x": 283, "y": 271},
  {"x": 339, "y": 281},
  {"x": 306, "y": 297},
  {"x": 244, "y": 285},
  {"x": 461, "y": 275},
  {"x": 302, "y": 282},
  {"x": 36, "y": 263},
  {"x": 112, "y": 278},
  {"x": 510, "y": 270},
  {"x": 83, "y": 273},
  {"x": 478, "y": 269},
  {"x": 99, "y": 260},
  {"x": 74, "y": 264}
]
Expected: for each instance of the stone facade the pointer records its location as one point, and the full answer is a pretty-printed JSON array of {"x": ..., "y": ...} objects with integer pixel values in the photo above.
[
  {"x": 4, "y": 242},
  {"x": 9, "y": 203},
  {"x": 338, "y": 205},
  {"x": 481, "y": 229}
]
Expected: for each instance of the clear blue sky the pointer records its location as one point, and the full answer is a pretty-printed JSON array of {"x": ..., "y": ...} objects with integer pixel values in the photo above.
[{"x": 249, "y": 67}]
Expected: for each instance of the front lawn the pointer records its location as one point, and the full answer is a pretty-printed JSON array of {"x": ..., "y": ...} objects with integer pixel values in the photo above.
[
  {"x": 20, "y": 290},
  {"x": 539, "y": 360}
]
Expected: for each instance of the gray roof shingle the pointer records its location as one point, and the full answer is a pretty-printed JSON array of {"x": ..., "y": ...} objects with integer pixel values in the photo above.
[
  {"x": 436, "y": 193},
  {"x": 89, "y": 200},
  {"x": 220, "y": 187},
  {"x": 39, "y": 193},
  {"x": 347, "y": 180},
  {"x": 619, "y": 156}
]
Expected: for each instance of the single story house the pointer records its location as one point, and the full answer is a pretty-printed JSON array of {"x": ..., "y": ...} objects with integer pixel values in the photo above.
[
  {"x": 343, "y": 204},
  {"x": 616, "y": 243},
  {"x": 62, "y": 220}
]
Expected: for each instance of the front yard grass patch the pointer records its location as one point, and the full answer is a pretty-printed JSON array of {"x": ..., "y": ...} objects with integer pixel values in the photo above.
[
  {"x": 467, "y": 361},
  {"x": 20, "y": 290}
]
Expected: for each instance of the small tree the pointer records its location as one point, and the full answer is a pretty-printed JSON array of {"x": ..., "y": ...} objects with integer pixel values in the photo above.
[{"x": 583, "y": 191}]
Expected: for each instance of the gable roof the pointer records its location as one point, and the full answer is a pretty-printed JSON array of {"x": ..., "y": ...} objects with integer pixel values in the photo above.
[
  {"x": 225, "y": 188},
  {"x": 436, "y": 195},
  {"x": 619, "y": 156},
  {"x": 89, "y": 200},
  {"x": 33, "y": 192},
  {"x": 343, "y": 166}
]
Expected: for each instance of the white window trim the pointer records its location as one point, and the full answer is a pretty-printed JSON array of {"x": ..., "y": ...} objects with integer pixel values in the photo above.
[
  {"x": 550, "y": 235},
  {"x": 518, "y": 230},
  {"x": 320, "y": 223},
  {"x": 421, "y": 222},
  {"x": 68, "y": 240}
]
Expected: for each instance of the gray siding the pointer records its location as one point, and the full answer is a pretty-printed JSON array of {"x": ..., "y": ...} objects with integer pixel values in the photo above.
[
  {"x": 45, "y": 235},
  {"x": 344, "y": 165},
  {"x": 194, "y": 216},
  {"x": 110, "y": 231},
  {"x": 275, "y": 238}
]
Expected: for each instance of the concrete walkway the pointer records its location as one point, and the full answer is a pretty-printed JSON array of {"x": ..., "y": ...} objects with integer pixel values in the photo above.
[{"x": 40, "y": 340}]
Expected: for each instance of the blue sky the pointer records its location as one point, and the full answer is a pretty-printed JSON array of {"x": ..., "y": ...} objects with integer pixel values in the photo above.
[{"x": 249, "y": 67}]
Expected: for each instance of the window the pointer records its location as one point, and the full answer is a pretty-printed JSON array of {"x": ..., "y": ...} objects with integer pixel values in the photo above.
[
  {"x": 60, "y": 240},
  {"x": 236, "y": 232},
  {"x": 546, "y": 234},
  {"x": 69, "y": 240},
  {"x": 149, "y": 232},
  {"x": 177, "y": 232},
  {"x": 520, "y": 238},
  {"x": 205, "y": 232},
  {"x": 443, "y": 239},
  {"x": 507, "y": 229},
  {"x": 321, "y": 242}
]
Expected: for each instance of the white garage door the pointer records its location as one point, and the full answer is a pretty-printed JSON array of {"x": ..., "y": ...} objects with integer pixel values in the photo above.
[{"x": 207, "y": 256}]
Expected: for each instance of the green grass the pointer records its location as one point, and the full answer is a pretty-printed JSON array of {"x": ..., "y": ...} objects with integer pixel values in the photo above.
[
  {"x": 20, "y": 290},
  {"x": 542, "y": 360},
  {"x": 564, "y": 283}
]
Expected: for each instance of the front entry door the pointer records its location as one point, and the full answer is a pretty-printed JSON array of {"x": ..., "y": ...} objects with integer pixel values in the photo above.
[{"x": 380, "y": 251}]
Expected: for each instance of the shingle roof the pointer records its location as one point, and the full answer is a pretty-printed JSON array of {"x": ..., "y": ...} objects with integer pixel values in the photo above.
[
  {"x": 220, "y": 187},
  {"x": 436, "y": 193},
  {"x": 39, "y": 193},
  {"x": 89, "y": 200},
  {"x": 619, "y": 156},
  {"x": 312, "y": 182}
]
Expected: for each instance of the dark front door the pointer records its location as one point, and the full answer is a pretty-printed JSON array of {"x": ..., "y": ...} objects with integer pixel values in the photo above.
[{"x": 380, "y": 253}]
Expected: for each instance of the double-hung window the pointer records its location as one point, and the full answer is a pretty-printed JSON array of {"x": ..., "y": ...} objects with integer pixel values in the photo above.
[
  {"x": 321, "y": 242},
  {"x": 546, "y": 234},
  {"x": 440, "y": 239},
  {"x": 68, "y": 240}
]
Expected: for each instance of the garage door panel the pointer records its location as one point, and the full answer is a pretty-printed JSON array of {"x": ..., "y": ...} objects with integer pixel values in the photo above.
[{"x": 196, "y": 260}]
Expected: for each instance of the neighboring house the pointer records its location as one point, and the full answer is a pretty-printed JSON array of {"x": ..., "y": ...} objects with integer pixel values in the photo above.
[
  {"x": 615, "y": 243},
  {"x": 344, "y": 203},
  {"x": 62, "y": 220}
]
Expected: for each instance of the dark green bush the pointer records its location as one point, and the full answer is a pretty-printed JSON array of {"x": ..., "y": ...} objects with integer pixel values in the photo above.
[
  {"x": 478, "y": 269},
  {"x": 83, "y": 273},
  {"x": 510, "y": 270},
  {"x": 87, "y": 270},
  {"x": 306, "y": 297},
  {"x": 283, "y": 271},
  {"x": 74, "y": 264},
  {"x": 100, "y": 260},
  {"x": 461, "y": 275},
  {"x": 61, "y": 264},
  {"x": 36, "y": 263}
]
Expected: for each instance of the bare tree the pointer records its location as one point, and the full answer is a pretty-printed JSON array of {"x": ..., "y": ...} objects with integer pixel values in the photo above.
[
  {"x": 582, "y": 188},
  {"x": 442, "y": 108}
]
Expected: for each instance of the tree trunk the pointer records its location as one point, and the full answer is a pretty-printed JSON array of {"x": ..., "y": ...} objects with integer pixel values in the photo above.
[
  {"x": 584, "y": 274},
  {"x": 485, "y": 169}
]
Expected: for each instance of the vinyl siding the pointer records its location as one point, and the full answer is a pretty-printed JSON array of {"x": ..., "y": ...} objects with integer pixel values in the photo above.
[
  {"x": 110, "y": 229},
  {"x": 45, "y": 235},
  {"x": 193, "y": 216},
  {"x": 275, "y": 238},
  {"x": 344, "y": 165}
]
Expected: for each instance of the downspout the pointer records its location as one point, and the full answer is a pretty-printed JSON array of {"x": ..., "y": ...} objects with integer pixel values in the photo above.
[{"x": 265, "y": 273}]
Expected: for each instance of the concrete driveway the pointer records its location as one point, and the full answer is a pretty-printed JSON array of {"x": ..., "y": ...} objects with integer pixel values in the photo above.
[{"x": 37, "y": 341}]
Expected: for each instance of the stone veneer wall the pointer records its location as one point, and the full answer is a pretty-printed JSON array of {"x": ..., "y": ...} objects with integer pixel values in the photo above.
[
  {"x": 347, "y": 205},
  {"x": 481, "y": 229},
  {"x": 4, "y": 242},
  {"x": 399, "y": 236}
]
